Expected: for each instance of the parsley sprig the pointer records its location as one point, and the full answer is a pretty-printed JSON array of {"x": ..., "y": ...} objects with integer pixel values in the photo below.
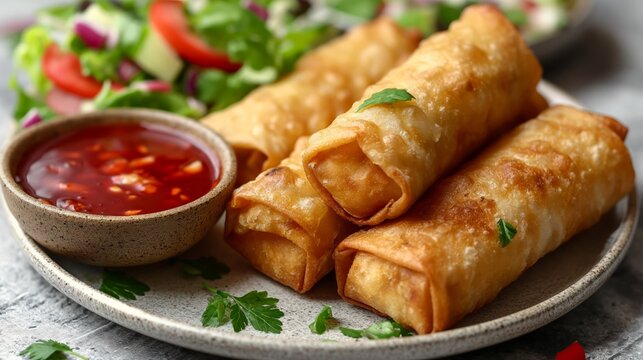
[
  {"x": 208, "y": 268},
  {"x": 384, "y": 330},
  {"x": 49, "y": 350},
  {"x": 254, "y": 308},
  {"x": 323, "y": 321},
  {"x": 386, "y": 96},
  {"x": 506, "y": 232},
  {"x": 120, "y": 285}
]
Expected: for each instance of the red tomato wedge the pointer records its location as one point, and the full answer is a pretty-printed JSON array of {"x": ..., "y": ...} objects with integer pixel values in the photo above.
[
  {"x": 168, "y": 19},
  {"x": 65, "y": 71},
  {"x": 573, "y": 352},
  {"x": 64, "y": 103}
]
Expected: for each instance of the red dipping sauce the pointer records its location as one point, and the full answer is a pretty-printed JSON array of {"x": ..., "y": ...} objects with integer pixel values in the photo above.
[{"x": 121, "y": 169}]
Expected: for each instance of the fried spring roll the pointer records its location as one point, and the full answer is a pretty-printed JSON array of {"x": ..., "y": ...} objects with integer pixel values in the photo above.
[
  {"x": 279, "y": 223},
  {"x": 284, "y": 228},
  {"x": 469, "y": 84},
  {"x": 263, "y": 127},
  {"x": 550, "y": 178}
]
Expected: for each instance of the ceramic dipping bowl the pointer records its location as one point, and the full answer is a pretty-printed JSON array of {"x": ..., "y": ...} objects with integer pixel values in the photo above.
[{"x": 106, "y": 240}]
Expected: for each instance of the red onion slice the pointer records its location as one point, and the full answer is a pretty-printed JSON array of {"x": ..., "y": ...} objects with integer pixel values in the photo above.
[
  {"x": 127, "y": 70},
  {"x": 259, "y": 10},
  {"x": 92, "y": 36},
  {"x": 31, "y": 118},
  {"x": 191, "y": 82},
  {"x": 197, "y": 105},
  {"x": 153, "y": 86}
]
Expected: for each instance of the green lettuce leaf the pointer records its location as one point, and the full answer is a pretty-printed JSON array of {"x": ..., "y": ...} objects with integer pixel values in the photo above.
[
  {"x": 364, "y": 9},
  {"x": 28, "y": 56},
  {"x": 236, "y": 31},
  {"x": 423, "y": 19},
  {"x": 138, "y": 98},
  {"x": 102, "y": 65},
  {"x": 26, "y": 102}
]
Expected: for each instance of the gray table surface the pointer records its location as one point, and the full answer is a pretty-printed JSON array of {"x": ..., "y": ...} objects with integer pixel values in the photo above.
[{"x": 604, "y": 70}]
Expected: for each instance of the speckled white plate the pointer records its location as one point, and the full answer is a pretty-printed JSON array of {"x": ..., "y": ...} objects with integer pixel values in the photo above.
[{"x": 171, "y": 310}]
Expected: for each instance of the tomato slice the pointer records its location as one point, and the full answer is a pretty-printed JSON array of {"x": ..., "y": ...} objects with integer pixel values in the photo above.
[
  {"x": 168, "y": 19},
  {"x": 573, "y": 352},
  {"x": 65, "y": 71}
]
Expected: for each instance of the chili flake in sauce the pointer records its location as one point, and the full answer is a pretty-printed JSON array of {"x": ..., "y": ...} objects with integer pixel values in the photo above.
[{"x": 122, "y": 169}]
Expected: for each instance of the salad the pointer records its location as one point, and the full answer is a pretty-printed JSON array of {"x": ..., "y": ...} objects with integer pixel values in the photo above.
[
  {"x": 194, "y": 56},
  {"x": 187, "y": 57}
]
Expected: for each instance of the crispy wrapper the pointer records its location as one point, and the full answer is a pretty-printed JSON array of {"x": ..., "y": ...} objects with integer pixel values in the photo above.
[
  {"x": 469, "y": 83},
  {"x": 550, "y": 178},
  {"x": 279, "y": 223},
  {"x": 263, "y": 127},
  {"x": 284, "y": 228}
]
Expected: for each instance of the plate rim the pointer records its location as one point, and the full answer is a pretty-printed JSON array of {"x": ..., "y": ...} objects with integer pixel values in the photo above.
[{"x": 242, "y": 345}]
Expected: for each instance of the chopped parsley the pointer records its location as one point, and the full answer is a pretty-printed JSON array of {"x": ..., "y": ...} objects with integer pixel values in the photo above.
[
  {"x": 384, "y": 330},
  {"x": 208, "y": 268},
  {"x": 386, "y": 96},
  {"x": 323, "y": 321},
  {"x": 120, "y": 285},
  {"x": 506, "y": 232},
  {"x": 49, "y": 350},
  {"x": 254, "y": 308}
]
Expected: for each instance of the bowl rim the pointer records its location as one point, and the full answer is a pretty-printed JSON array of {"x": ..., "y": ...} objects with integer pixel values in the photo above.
[{"x": 208, "y": 137}]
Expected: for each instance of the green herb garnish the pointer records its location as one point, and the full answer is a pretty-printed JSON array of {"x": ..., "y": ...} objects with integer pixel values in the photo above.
[
  {"x": 49, "y": 350},
  {"x": 120, "y": 285},
  {"x": 384, "y": 330},
  {"x": 323, "y": 321},
  {"x": 255, "y": 308},
  {"x": 506, "y": 232},
  {"x": 386, "y": 96},
  {"x": 208, "y": 268}
]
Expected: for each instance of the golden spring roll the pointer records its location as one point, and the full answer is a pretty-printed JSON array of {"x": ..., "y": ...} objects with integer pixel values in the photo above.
[
  {"x": 279, "y": 223},
  {"x": 550, "y": 178},
  {"x": 263, "y": 127},
  {"x": 282, "y": 226},
  {"x": 469, "y": 84}
]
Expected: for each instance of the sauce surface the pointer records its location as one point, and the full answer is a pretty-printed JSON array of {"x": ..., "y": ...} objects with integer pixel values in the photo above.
[{"x": 124, "y": 169}]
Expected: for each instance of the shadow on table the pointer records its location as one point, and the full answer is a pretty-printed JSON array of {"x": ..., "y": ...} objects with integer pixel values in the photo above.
[{"x": 595, "y": 56}]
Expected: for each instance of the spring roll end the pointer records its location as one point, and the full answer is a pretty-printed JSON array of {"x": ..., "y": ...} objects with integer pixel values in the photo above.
[
  {"x": 287, "y": 261},
  {"x": 367, "y": 279},
  {"x": 353, "y": 186}
]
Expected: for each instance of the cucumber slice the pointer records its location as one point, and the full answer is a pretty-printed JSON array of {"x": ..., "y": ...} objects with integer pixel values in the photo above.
[
  {"x": 95, "y": 14},
  {"x": 156, "y": 57}
]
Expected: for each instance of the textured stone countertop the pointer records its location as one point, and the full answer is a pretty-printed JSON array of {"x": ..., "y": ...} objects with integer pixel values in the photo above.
[{"x": 604, "y": 70}]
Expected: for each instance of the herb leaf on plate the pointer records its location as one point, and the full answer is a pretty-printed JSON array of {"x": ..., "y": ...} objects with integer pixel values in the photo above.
[
  {"x": 506, "y": 232},
  {"x": 217, "y": 313},
  {"x": 254, "y": 308},
  {"x": 383, "y": 330},
  {"x": 386, "y": 96},
  {"x": 120, "y": 285},
  {"x": 323, "y": 321},
  {"x": 49, "y": 350},
  {"x": 208, "y": 268}
]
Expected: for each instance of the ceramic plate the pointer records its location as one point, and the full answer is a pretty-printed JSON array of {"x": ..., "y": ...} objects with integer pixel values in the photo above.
[{"x": 171, "y": 310}]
